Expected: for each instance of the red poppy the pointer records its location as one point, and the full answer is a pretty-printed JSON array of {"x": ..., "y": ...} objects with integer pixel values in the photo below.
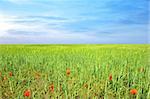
[
  {"x": 27, "y": 93},
  {"x": 110, "y": 77},
  {"x": 51, "y": 88},
  {"x": 10, "y": 74},
  {"x": 68, "y": 72},
  {"x": 133, "y": 91}
]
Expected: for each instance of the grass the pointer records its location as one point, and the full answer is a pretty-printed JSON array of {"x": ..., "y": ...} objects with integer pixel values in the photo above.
[{"x": 39, "y": 68}]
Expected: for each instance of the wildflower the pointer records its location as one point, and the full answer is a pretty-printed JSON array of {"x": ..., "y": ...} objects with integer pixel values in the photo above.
[
  {"x": 51, "y": 88},
  {"x": 133, "y": 91},
  {"x": 27, "y": 93},
  {"x": 10, "y": 74},
  {"x": 110, "y": 77},
  {"x": 68, "y": 72}
]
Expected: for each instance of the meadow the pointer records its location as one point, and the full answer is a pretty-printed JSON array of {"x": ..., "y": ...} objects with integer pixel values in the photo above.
[{"x": 75, "y": 71}]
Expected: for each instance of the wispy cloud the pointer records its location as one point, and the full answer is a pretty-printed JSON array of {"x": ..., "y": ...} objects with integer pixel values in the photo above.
[{"x": 20, "y": 31}]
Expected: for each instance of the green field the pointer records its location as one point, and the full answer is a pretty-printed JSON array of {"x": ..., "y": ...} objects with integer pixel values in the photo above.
[{"x": 39, "y": 67}]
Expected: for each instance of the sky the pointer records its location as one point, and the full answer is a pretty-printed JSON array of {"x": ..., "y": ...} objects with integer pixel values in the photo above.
[{"x": 74, "y": 21}]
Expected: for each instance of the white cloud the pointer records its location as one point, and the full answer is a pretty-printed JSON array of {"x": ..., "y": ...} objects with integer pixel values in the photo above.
[{"x": 7, "y": 23}]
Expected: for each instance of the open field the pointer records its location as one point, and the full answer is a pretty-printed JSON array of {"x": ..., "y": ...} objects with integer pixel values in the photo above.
[{"x": 74, "y": 71}]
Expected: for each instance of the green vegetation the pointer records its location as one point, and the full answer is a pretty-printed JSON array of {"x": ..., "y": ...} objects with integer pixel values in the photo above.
[{"x": 75, "y": 71}]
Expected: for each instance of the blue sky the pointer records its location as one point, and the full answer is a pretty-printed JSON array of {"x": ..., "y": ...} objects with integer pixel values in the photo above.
[{"x": 74, "y": 21}]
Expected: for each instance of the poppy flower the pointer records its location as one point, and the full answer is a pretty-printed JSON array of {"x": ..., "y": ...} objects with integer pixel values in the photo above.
[
  {"x": 51, "y": 88},
  {"x": 68, "y": 72},
  {"x": 10, "y": 74},
  {"x": 110, "y": 77},
  {"x": 133, "y": 91},
  {"x": 27, "y": 93}
]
